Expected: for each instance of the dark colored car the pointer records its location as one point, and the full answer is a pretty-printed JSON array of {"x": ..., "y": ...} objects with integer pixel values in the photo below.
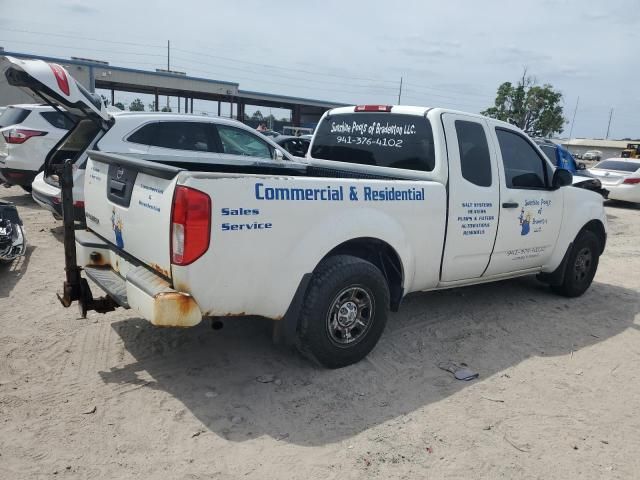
[{"x": 296, "y": 146}]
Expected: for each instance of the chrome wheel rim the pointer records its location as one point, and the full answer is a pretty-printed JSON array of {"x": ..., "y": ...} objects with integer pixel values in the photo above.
[
  {"x": 350, "y": 316},
  {"x": 583, "y": 263}
]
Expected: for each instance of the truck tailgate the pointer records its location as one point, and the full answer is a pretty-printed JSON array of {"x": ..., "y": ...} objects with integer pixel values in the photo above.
[{"x": 128, "y": 203}]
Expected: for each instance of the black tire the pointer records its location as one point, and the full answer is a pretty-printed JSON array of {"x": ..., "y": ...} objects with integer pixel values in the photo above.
[
  {"x": 330, "y": 331},
  {"x": 581, "y": 265},
  {"x": 26, "y": 188}
]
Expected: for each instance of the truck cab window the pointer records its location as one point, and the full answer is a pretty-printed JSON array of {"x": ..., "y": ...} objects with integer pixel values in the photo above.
[
  {"x": 236, "y": 141},
  {"x": 523, "y": 167},
  {"x": 475, "y": 160}
]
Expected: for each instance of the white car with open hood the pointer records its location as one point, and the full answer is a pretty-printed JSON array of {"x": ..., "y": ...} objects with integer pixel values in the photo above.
[{"x": 390, "y": 200}]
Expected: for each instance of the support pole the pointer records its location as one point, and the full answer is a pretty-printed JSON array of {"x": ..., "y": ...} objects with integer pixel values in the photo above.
[{"x": 573, "y": 119}]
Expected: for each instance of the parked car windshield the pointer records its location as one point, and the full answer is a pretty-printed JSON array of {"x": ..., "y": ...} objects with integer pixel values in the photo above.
[
  {"x": 372, "y": 138},
  {"x": 620, "y": 165},
  {"x": 550, "y": 152},
  {"x": 13, "y": 116}
]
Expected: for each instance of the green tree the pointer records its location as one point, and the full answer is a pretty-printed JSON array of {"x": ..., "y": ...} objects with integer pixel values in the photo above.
[
  {"x": 165, "y": 109},
  {"x": 120, "y": 105},
  {"x": 535, "y": 109},
  {"x": 257, "y": 116},
  {"x": 136, "y": 106}
]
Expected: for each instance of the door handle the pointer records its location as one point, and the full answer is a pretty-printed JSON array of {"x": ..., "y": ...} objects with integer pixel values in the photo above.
[{"x": 510, "y": 205}]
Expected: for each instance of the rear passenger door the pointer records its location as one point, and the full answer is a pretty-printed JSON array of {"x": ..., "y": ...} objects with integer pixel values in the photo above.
[
  {"x": 178, "y": 138},
  {"x": 530, "y": 210},
  {"x": 473, "y": 198}
]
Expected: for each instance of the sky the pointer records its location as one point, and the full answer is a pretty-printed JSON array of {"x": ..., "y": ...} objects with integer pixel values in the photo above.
[{"x": 450, "y": 54}]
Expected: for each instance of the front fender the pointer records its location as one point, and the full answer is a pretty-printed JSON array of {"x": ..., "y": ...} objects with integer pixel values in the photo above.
[{"x": 580, "y": 207}]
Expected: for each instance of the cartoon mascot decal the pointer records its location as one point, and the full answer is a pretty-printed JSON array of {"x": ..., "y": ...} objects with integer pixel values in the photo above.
[
  {"x": 525, "y": 222},
  {"x": 116, "y": 225}
]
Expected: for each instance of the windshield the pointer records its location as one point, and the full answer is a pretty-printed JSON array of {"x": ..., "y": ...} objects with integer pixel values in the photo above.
[
  {"x": 381, "y": 139},
  {"x": 619, "y": 165}
]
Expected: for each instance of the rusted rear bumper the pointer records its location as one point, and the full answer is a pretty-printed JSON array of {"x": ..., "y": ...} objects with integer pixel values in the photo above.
[{"x": 132, "y": 285}]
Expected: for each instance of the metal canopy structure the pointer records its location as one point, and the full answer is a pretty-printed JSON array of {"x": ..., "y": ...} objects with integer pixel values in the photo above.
[{"x": 98, "y": 74}]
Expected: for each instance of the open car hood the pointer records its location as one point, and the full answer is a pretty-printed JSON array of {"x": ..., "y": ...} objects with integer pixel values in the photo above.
[{"x": 51, "y": 82}]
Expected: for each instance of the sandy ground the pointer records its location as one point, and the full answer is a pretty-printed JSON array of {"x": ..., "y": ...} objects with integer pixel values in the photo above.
[{"x": 113, "y": 397}]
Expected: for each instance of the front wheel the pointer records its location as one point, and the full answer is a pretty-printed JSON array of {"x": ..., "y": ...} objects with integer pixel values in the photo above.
[
  {"x": 581, "y": 265},
  {"x": 344, "y": 311}
]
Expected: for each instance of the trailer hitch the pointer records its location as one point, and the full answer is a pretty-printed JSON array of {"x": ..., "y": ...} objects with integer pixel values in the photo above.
[{"x": 75, "y": 288}]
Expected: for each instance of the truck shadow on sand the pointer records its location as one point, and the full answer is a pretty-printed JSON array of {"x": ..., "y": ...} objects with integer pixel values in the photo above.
[
  {"x": 12, "y": 272},
  {"x": 490, "y": 327}
]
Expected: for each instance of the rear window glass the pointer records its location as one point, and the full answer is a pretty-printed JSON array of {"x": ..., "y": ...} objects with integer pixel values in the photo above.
[
  {"x": 58, "y": 120},
  {"x": 13, "y": 116},
  {"x": 620, "y": 165},
  {"x": 380, "y": 139}
]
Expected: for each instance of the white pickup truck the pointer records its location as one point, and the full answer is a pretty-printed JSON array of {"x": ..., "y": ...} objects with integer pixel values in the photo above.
[{"x": 391, "y": 200}]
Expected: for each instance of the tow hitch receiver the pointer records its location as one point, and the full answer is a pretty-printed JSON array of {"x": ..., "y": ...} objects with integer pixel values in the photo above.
[{"x": 75, "y": 287}]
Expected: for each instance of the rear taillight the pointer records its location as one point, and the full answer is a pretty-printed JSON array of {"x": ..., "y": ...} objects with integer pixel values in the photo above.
[
  {"x": 631, "y": 181},
  {"x": 190, "y": 225},
  {"x": 373, "y": 108},
  {"x": 21, "y": 135}
]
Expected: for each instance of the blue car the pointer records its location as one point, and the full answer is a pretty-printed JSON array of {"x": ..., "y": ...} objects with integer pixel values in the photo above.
[{"x": 561, "y": 157}]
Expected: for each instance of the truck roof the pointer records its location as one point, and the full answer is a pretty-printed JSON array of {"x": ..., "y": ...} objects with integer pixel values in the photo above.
[{"x": 420, "y": 111}]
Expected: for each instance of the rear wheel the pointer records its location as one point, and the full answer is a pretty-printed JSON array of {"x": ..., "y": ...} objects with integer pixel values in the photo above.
[
  {"x": 581, "y": 265},
  {"x": 344, "y": 311}
]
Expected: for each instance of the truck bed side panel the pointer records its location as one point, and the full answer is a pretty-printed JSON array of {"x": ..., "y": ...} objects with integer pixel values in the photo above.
[{"x": 267, "y": 232}]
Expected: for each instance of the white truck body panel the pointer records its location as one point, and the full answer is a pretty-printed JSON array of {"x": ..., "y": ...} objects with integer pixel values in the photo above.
[
  {"x": 267, "y": 232},
  {"x": 279, "y": 244}
]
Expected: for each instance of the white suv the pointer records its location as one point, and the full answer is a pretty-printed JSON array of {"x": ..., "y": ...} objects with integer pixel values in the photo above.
[
  {"x": 169, "y": 138},
  {"x": 217, "y": 144},
  {"x": 27, "y": 134}
]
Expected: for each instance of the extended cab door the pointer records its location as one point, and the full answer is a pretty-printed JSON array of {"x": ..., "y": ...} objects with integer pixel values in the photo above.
[
  {"x": 474, "y": 196},
  {"x": 530, "y": 210}
]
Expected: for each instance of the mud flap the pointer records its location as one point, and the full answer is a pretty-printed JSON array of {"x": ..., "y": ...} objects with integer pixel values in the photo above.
[{"x": 557, "y": 276}]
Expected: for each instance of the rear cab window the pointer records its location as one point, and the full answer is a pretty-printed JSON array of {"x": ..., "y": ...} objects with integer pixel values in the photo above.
[
  {"x": 376, "y": 138},
  {"x": 13, "y": 116},
  {"x": 475, "y": 159}
]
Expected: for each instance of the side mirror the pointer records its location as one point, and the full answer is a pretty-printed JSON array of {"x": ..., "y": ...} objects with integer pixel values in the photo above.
[
  {"x": 582, "y": 166},
  {"x": 278, "y": 155},
  {"x": 561, "y": 178}
]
